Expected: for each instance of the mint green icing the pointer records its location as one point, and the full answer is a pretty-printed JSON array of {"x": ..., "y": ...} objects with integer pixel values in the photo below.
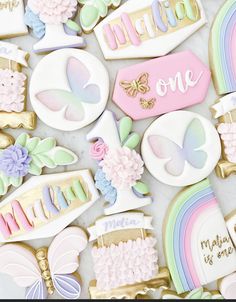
[
  {"x": 16, "y": 182},
  {"x": 79, "y": 192},
  {"x": 34, "y": 169},
  {"x": 125, "y": 128},
  {"x": 32, "y": 143},
  {"x": 180, "y": 12},
  {"x": 45, "y": 145},
  {"x": 63, "y": 157},
  {"x": 47, "y": 161},
  {"x": 89, "y": 16},
  {"x": 132, "y": 141},
  {"x": 70, "y": 194},
  {"x": 22, "y": 139},
  {"x": 141, "y": 188},
  {"x": 2, "y": 187},
  {"x": 102, "y": 7},
  {"x": 73, "y": 25}
]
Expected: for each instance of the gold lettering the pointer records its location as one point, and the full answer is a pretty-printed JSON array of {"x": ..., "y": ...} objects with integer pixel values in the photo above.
[{"x": 10, "y": 5}]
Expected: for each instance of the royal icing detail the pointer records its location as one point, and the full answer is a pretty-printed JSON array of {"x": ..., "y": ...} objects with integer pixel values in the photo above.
[
  {"x": 52, "y": 24},
  {"x": 125, "y": 265},
  {"x": 30, "y": 156},
  {"x": 177, "y": 148},
  {"x": 196, "y": 294},
  {"x": 121, "y": 167},
  {"x": 161, "y": 85},
  {"x": 92, "y": 11},
  {"x": 66, "y": 91},
  {"x": 46, "y": 204},
  {"x": 227, "y": 287},
  {"x": 231, "y": 225},
  {"x": 45, "y": 270},
  {"x": 198, "y": 250},
  {"x": 222, "y": 49},
  {"x": 12, "y": 18},
  {"x": 148, "y": 28}
]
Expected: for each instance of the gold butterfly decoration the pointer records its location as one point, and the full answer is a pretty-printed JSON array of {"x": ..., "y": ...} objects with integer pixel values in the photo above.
[
  {"x": 147, "y": 104},
  {"x": 136, "y": 86}
]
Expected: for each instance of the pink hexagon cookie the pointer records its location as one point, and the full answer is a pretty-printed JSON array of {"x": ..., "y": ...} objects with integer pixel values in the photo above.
[{"x": 161, "y": 85}]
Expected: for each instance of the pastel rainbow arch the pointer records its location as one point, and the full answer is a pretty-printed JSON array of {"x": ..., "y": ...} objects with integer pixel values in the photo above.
[
  {"x": 189, "y": 211},
  {"x": 223, "y": 48}
]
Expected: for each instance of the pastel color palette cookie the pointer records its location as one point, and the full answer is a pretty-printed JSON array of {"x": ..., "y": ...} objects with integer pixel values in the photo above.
[
  {"x": 177, "y": 148},
  {"x": 66, "y": 91},
  {"x": 148, "y": 28},
  {"x": 198, "y": 250},
  {"x": 161, "y": 85},
  {"x": 222, "y": 48}
]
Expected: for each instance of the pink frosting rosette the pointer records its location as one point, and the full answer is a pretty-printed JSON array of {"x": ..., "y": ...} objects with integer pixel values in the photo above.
[{"x": 98, "y": 150}]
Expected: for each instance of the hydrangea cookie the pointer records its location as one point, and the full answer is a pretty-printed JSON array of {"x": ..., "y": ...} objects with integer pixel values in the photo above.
[
  {"x": 51, "y": 23},
  {"x": 120, "y": 166},
  {"x": 46, "y": 270}
]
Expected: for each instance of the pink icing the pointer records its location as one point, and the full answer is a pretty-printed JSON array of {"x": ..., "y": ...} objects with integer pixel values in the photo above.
[
  {"x": 110, "y": 36},
  {"x": 123, "y": 167},
  {"x": 227, "y": 133},
  {"x": 53, "y": 11},
  {"x": 119, "y": 33},
  {"x": 127, "y": 263},
  {"x": 176, "y": 81},
  {"x": 12, "y": 87},
  {"x": 133, "y": 36},
  {"x": 98, "y": 150}
]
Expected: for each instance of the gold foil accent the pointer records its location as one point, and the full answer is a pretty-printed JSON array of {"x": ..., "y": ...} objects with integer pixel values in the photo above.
[
  {"x": 162, "y": 280},
  {"x": 6, "y": 140},
  {"x": 26, "y": 120},
  {"x": 136, "y": 86},
  {"x": 147, "y": 104}
]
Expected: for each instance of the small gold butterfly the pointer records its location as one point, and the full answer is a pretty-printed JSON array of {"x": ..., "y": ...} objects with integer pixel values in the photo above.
[
  {"x": 147, "y": 104},
  {"x": 136, "y": 86}
]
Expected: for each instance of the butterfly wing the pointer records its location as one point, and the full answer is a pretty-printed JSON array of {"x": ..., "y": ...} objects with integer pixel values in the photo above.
[
  {"x": 57, "y": 99},
  {"x": 19, "y": 263},
  {"x": 68, "y": 286},
  {"x": 128, "y": 88},
  {"x": 143, "y": 83},
  {"x": 37, "y": 291},
  {"x": 195, "y": 138},
  {"x": 164, "y": 148},
  {"x": 78, "y": 77}
]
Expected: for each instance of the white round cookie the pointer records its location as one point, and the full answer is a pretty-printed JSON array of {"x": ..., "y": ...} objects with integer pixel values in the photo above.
[
  {"x": 69, "y": 89},
  {"x": 181, "y": 148}
]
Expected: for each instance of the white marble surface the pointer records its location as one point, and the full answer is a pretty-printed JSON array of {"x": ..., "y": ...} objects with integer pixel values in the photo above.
[{"x": 225, "y": 189}]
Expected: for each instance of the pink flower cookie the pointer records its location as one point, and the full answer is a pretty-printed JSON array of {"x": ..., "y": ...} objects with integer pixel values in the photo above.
[{"x": 98, "y": 150}]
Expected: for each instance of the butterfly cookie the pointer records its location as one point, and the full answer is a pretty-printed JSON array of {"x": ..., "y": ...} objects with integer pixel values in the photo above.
[{"x": 46, "y": 270}]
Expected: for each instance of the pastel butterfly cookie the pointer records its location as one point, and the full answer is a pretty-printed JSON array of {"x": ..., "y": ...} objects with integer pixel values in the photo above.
[
  {"x": 177, "y": 148},
  {"x": 125, "y": 257},
  {"x": 52, "y": 23},
  {"x": 161, "y": 85},
  {"x": 196, "y": 294},
  {"x": 12, "y": 19},
  {"x": 197, "y": 244},
  {"x": 120, "y": 166},
  {"x": 45, "y": 205},
  {"x": 46, "y": 270},
  {"x": 29, "y": 156},
  {"x": 66, "y": 91},
  {"x": 149, "y": 28}
]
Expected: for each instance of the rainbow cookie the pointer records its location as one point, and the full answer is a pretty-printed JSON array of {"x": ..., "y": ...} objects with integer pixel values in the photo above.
[
  {"x": 66, "y": 91},
  {"x": 53, "y": 24},
  {"x": 125, "y": 257},
  {"x": 46, "y": 204},
  {"x": 149, "y": 28},
  {"x": 161, "y": 85},
  {"x": 196, "y": 294},
  {"x": 12, "y": 19},
  {"x": 222, "y": 48},
  {"x": 177, "y": 148},
  {"x": 231, "y": 225},
  {"x": 197, "y": 245},
  {"x": 227, "y": 286},
  {"x": 29, "y": 156},
  {"x": 46, "y": 270},
  {"x": 120, "y": 166}
]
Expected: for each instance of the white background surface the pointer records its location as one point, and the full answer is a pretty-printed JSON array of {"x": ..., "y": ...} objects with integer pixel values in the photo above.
[{"x": 225, "y": 190}]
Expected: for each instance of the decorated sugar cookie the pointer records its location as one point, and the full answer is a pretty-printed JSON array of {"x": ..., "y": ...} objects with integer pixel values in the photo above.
[
  {"x": 197, "y": 244},
  {"x": 13, "y": 112},
  {"x": 46, "y": 270},
  {"x": 120, "y": 166},
  {"x": 92, "y": 11},
  {"x": 125, "y": 257},
  {"x": 161, "y": 85},
  {"x": 225, "y": 111},
  {"x": 231, "y": 225},
  {"x": 45, "y": 205},
  {"x": 227, "y": 287},
  {"x": 196, "y": 294},
  {"x": 52, "y": 23},
  {"x": 12, "y": 19},
  {"x": 67, "y": 91},
  {"x": 177, "y": 148},
  {"x": 149, "y": 28},
  {"x": 29, "y": 156},
  {"x": 222, "y": 48}
]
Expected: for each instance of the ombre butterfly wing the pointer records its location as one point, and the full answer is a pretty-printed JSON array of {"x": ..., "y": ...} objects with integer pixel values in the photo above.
[
  {"x": 20, "y": 263},
  {"x": 63, "y": 261}
]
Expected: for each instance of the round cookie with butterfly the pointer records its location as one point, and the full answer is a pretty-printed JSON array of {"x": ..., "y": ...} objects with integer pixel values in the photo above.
[
  {"x": 69, "y": 89},
  {"x": 177, "y": 148}
]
